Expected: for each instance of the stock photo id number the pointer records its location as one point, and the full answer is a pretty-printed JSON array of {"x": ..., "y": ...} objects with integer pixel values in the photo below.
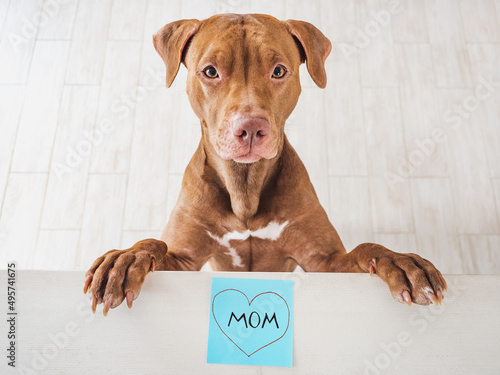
[{"x": 11, "y": 314}]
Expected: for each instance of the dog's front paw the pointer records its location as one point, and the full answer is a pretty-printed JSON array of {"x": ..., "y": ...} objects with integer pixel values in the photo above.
[
  {"x": 119, "y": 274},
  {"x": 410, "y": 277}
]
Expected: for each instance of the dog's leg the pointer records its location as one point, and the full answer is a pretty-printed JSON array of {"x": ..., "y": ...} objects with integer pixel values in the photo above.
[
  {"x": 318, "y": 248},
  {"x": 119, "y": 274},
  {"x": 410, "y": 277}
]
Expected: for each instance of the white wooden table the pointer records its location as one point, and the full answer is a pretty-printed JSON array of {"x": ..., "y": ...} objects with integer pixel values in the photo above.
[{"x": 343, "y": 324}]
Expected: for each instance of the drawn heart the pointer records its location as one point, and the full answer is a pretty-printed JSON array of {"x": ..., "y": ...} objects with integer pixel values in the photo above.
[{"x": 251, "y": 325}]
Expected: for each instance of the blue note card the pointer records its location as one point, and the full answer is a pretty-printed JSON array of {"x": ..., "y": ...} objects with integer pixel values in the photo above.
[{"x": 251, "y": 322}]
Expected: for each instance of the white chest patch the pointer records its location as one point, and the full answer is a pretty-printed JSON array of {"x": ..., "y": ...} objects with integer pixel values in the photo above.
[{"x": 271, "y": 232}]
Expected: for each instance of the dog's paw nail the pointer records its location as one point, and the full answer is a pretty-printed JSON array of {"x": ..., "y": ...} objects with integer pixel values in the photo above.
[
  {"x": 372, "y": 266},
  {"x": 429, "y": 293},
  {"x": 153, "y": 265},
  {"x": 130, "y": 299},
  {"x": 94, "y": 303},
  {"x": 107, "y": 306},
  {"x": 406, "y": 297},
  {"x": 87, "y": 284},
  {"x": 440, "y": 296}
]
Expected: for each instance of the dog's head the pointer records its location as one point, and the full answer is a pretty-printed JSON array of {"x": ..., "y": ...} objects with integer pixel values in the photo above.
[{"x": 243, "y": 76}]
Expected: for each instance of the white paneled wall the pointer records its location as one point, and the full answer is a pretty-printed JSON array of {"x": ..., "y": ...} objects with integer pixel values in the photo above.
[{"x": 403, "y": 146}]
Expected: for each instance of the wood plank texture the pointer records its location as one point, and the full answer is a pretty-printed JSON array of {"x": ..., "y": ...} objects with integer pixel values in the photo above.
[{"x": 402, "y": 146}]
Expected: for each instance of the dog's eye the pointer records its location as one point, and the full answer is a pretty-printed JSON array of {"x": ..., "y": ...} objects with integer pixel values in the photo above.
[
  {"x": 211, "y": 72},
  {"x": 279, "y": 71}
]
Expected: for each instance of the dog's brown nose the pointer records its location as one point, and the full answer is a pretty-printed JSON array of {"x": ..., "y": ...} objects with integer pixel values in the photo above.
[{"x": 250, "y": 130}]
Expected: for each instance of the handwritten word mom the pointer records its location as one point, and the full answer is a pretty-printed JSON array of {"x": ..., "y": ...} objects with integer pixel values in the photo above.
[{"x": 251, "y": 320}]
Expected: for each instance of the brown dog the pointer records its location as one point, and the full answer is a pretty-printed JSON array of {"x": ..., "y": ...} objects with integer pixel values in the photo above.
[{"x": 247, "y": 203}]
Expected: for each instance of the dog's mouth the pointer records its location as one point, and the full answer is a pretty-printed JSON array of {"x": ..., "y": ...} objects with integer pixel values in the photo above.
[
  {"x": 248, "y": 158},
  {"x": 246, "y": 155}
]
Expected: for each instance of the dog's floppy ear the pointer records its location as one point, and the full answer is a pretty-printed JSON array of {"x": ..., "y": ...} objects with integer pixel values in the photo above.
[
  {"x": 170, "y": 42},
  {"x": 316, "y": 46}
]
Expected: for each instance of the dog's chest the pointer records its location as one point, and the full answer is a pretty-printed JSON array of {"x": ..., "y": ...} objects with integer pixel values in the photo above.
[{"x": 250, "y": 249}]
